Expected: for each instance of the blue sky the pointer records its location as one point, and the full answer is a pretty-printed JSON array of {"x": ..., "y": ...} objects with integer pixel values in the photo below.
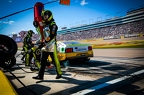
[{"x": 78, "y": 12}]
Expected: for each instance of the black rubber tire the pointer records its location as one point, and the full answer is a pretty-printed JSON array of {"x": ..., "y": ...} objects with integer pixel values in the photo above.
[
  {"x": 86, "y": 59},
  {"x": 10, "y": 44},
  {"x": 11, "y": 62},
  {"x": 8, "y": 64}
]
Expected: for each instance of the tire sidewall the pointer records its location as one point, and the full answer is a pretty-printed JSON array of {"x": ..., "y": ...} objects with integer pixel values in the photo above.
[{"x": 10, "y": 44}]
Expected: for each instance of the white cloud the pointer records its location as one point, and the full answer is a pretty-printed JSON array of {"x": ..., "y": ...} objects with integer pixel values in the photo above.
[
  {"x": 11, "y": 22},
  {"x": 83, "y": 2},
  {"x": 13, "y": 32},
  {"x": 8, "y": 22}
]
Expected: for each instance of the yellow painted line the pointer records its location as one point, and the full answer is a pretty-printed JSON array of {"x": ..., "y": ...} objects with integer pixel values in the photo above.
[{"x": 5, "y": 86}]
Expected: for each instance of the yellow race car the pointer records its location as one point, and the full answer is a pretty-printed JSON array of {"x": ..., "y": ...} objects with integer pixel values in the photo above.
[{"x": 74, "y": 50}]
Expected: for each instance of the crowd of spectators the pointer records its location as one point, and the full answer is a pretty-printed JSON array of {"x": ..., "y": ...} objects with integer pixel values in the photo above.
[
  {"x": 105, "y": 32},
  {"x": 115, "y": 31}
]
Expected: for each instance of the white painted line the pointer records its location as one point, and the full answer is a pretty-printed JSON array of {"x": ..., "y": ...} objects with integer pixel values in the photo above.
[{"x": 82, "y": 92}]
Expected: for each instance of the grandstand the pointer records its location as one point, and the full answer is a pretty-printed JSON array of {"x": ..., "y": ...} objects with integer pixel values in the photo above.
[
  {"x": 132, "y": 11},
  {"x": 130, "y": 25}
]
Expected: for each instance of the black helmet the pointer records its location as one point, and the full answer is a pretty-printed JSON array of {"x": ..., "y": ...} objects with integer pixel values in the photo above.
[
  {"x": 45, "y": 13},
  {"x": 30, "y": 32}
]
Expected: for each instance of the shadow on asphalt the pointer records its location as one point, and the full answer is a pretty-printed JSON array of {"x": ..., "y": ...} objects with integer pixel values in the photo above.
[
  {"x": 34, "y": 89},
  {"x": 91, "y": 63}
]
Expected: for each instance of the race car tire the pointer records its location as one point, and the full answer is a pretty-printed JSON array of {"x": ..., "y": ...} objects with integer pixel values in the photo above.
[
  {"x": 8, "y": 64},
  {"x": 85, "y": 59},
  {"x": 81, "y": 59},
  {"x": 11, "y": 62},
  {"x": 10, "y": 44}
]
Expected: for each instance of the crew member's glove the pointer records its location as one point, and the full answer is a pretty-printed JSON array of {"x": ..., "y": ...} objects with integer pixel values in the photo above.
[
  {"x": 47, "y": 39},
  {"x": 35, "y": 23},
  {"x": 42, "y": 44}
]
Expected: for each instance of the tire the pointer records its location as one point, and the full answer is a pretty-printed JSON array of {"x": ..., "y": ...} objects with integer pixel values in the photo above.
[
  {"x": 81, "y": 60},
  {"x": 86, "y": 59},
  {"x": 10, "y": 63},
  {"x": 10, "y": 44}
]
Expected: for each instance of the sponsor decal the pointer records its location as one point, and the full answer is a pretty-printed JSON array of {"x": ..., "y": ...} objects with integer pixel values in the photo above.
[{"x": 80, "y": 49}]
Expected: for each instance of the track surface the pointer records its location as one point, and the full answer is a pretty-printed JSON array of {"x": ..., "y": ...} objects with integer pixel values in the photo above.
[{"x": 109, "y": 72}]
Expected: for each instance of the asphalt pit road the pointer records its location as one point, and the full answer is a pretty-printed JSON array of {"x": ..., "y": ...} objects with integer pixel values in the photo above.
[
  {"x": 12, "y": 77},
  {"x": 114, "y": 68},
  {"x": 90, "y": 63},
  {"x": 33, "y": 90},
  {"x": 138, "y": 58},
  {"x": 86, "y": 72}
]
